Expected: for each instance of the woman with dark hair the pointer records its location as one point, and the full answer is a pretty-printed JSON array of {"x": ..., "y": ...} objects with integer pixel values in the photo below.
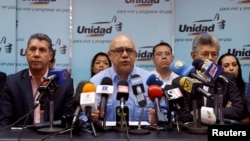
[
  {"x": 99, "y": 62},
  {"x": 231, "y": 64}
]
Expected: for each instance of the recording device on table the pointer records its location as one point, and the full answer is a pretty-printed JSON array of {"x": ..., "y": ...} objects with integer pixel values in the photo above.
[
  {"x": 88, "y": 102},
  {"x": 105, "y": 90},
  {"x": 138, "y": 90},
  {"x": 122, "y": 111}
]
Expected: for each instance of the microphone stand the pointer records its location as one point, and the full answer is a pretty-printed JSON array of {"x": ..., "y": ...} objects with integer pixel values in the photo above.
[
  {"x": 176, "y": 116},
  {"x": 139, "y": 130},
  {"x": 88, "y": 114},
  {"x": 218, "y": 103},
  {"x": 196, "y": 126},
  {"x": 52, "y": 87}
]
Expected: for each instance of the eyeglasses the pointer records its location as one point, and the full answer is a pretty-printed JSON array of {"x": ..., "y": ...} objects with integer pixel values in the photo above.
[
  {"x": 119, "y": 51},
  {"x": 160, "y": 54},
  {"x": 206, "y": 55}
]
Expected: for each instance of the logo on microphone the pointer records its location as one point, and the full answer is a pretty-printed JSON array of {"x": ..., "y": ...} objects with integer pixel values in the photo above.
[
  {"x": 45, "y": 83},
  {"x": 188, "y": 85},
  {"x": 123, "y": 89},
  {"x": 136, "y": 80},
  {"x": 104, "y": 88},
  {"x": 178, "y": 64}
]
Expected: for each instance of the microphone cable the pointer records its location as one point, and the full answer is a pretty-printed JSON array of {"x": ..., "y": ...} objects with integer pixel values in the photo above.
[
  {"x": 21, "y": 118},
  {"x": 58, "y": 133},
  {"x": 37, "y": 102},
  {"x": 24, "y": 116}
]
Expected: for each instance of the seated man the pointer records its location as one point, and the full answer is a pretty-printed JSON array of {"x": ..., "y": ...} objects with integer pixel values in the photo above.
[
  {"x": 206, "y": 46},
  {"x": 122, "y": 54},
  {"x": 21, "y": 89}
]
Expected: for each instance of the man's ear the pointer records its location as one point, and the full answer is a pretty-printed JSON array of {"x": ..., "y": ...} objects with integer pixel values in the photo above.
[{"x": 193, "y": 55}]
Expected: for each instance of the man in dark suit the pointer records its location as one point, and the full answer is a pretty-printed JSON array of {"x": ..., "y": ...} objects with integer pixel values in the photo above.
[
  {"x": 20, "y": 91},
  {"x": 206, "y": 46}
]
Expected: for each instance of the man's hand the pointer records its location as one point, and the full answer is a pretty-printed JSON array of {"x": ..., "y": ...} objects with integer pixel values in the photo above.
[{"x": 151, "y": 116}]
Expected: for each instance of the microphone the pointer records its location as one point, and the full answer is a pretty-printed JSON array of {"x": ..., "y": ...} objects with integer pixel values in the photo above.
[
  {"x": 105, "y": 90},
  {"x": 122, "y": 112},
  {"x": 88, "y": 99},
  {"x": 88, "y": 102},
  {"x": 209, "y": 69},
  {"x": 173, "y": 95},
  {"x": 122, "y": 92},
  {"x": 138, "y": 90},
  {"x": 155, "y": 94},
  {"x": 183, "y": 69},
  {"x": 152, "y": 79},
  {"x": 76, "y": 100},
  {"x": 192, "y": 86},
  {"x": 59, "y": 75}
]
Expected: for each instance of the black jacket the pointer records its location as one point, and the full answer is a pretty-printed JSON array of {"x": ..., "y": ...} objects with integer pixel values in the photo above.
[
  {"x": 17, "y": 99},
  {"x": 229, "y": 91}
]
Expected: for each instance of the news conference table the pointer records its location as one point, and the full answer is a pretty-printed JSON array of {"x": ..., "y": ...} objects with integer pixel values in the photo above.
[{"x": 163, "y": 135}]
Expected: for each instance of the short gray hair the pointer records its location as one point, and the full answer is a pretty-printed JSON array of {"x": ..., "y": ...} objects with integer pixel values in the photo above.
[{"x": 205, "y": 39}]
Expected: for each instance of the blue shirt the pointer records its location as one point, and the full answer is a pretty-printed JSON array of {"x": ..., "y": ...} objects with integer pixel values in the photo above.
[{"x": 131, "y": 103}]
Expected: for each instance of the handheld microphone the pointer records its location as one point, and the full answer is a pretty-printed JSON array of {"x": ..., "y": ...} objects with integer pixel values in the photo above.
[
  {"x": 155, "y": 94},
  {"x": 88, "y": 99},
  {"x": 105, "y": 89},
  {"x": 208, "y": 68},
  {"x": 138, "y": 90},
  {"x": 152, "y": 79},
  {"x": 183, "y": 69},
  {"x": 192, "y": 86},
  {"x": 76, "y": 100},
  {"x": 59, "y": 75},
  {"x": 122, "y": 92}
]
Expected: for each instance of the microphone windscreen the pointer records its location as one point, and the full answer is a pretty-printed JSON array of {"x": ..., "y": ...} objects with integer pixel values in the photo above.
[
  {"x": 181, "y": 68},
  {"x": 78, "y": 91},
  {"x": 154, "y": 91},
  {"x": 89, "y": 87},
  {"x": 62, "y": 75},
  {"x": 152, "y": 79},
  {"x": 106, "y": 81},
  {"x": 197, "y": 63},
  {"x": 176, "y": 81}
]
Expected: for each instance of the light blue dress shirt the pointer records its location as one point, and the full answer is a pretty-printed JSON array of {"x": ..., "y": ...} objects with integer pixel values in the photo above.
[{"x": 131, "y": 103}]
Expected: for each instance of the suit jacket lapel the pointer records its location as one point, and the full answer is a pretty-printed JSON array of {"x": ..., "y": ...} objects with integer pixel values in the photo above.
[{"x": 27, "y": 89}]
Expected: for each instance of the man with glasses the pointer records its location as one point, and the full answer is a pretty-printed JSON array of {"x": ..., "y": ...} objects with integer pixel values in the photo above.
[
  {"x": 162, "y": 58},
  {"x": 122, "y": 54},
  {"x": 206, "y": 46}
]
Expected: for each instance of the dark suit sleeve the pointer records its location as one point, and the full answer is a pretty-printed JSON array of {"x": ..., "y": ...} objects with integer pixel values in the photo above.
[
  {"x": 231, "y": 93},
  {"x": 68, "y": 106},
  {"x": 2, "y": 81}
]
